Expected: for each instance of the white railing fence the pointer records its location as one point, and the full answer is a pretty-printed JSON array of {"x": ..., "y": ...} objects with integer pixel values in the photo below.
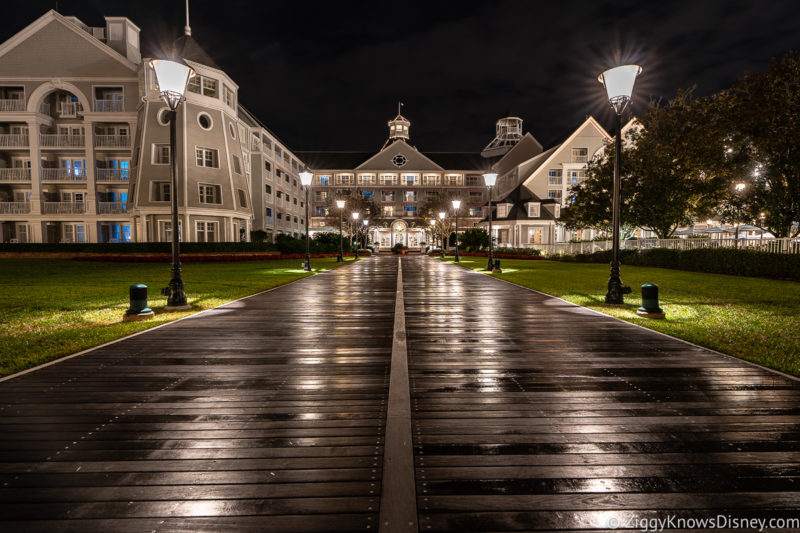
[{"x": 783, "y": 246}]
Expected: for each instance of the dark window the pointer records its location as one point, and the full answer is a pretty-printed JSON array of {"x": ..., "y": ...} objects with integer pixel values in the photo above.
[{"x": 269, "y": 189}]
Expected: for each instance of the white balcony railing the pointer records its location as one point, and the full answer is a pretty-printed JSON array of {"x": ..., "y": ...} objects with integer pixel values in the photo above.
[
  {"x": 63, "y": 174},
  {"x": 12, "y": 105},
  {"x": 106, "y": 175},
  {"x": 69, "y": 109},
  {"x": 48, "y": 140},
  {"x": 15, "y": 174},
  {"x": 109, "y": 208},
  {"x": 14, "y": 208},
  {"x": 13, "y": 140},
  {"x": 112, "y": 141},
  {"x": 108, "y": 106},
  {"x": 63, "y": 208}
]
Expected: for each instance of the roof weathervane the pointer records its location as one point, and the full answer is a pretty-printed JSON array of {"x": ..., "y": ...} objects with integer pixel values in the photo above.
[
  {"x": 399, "y": 104},
  {"x": 187, "y": 29}
]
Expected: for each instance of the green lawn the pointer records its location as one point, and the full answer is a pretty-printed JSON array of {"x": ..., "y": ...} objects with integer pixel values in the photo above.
[
  {"x": 751, "y": 318},
  {"x": 54, "y": 307}
]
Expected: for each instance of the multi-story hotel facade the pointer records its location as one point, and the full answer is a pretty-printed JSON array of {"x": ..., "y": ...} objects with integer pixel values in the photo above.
[
  {"x": 85, "y": 156},
  {"x": 84, "y": 144}
]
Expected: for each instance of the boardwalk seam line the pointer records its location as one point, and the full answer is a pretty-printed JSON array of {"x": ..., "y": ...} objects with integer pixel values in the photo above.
[
  {"x": 398, "y": 511},
  {"x": 114, "y": 341},
  {"x": 690, "y": 343}
]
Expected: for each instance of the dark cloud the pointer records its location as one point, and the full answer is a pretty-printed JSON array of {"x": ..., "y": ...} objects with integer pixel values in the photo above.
[{"x": 328, "y": 75}]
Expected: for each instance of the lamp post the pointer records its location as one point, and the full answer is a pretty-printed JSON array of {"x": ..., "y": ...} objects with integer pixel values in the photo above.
[
  {"x": 305, "y": 180},
  {"x": 366, "y": 232},
  {"x": 618, "y": 82},
  {"x": 355, "y": 221},
  {"x": 433, "y": 232},
  {"x": 172, "y": 78},
  {"x": 456, "y": 205},
  {"x": 739, "y": 188},
  {"x": 490, "y": 178},
  {"x": 340, "y": 257},
  {"x": 442, "y": 214}
]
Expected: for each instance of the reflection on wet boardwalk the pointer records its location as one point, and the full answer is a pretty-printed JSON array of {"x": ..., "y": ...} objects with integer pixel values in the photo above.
[
  {"x": 264, "y": 415},
  {"x": 532, "y": 414}
]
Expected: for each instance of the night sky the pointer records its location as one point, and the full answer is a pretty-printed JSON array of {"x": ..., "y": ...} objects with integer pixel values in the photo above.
[{"x": 328, "y": 75}]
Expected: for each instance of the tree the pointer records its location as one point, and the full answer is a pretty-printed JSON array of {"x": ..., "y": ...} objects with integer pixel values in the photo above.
[
  {"x": 475, "y": 239},
  {"x": 673, "y": 171},
  {"x": 429, "y": 210},
  {"x": 357, "y": 201},
  {"x": 760, "y": 121}
]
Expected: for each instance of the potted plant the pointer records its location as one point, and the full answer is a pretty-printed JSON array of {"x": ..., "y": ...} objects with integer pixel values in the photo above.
[{"x": 399, "y": 249}]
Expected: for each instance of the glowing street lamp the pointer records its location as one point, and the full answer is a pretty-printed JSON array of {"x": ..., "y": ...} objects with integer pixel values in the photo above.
[
  {"x": 340, "y": 205},
  {"x": 305, "y": 179},
  {"x": 490, "y": 178},
  {"x": 433, "y": 232},
  {"x": 456, "y": 205},
  {"x": 619, "y": 83},
  {"x": 172, "y": 78},
  {"x": 366, "y": 230},
  {"x": 355, "y": 221}
]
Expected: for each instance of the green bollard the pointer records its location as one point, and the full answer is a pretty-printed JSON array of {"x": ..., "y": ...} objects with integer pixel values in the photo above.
[
  {"x": 650, "y": 308},
  {"x": 138, "y": 309}
]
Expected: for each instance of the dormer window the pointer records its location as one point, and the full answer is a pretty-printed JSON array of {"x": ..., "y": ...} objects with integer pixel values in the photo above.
[
  {"x": 534, "y": 209},
  {"x": 502, "y": 210}
]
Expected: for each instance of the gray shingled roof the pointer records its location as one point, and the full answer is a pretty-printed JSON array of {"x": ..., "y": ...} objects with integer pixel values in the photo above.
[
  {"x": 519, "y": 211},
  {"x": 187, "y": 48}
]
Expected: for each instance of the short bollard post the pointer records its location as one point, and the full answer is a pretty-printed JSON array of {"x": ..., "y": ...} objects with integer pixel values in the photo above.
[
  {"x": 650, "y": 308},
  {"x": 496, "y": 267},
  {"x": 138, "y": 309}
]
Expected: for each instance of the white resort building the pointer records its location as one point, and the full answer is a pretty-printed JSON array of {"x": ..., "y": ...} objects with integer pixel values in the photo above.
[{"x": 85, "y": 156}]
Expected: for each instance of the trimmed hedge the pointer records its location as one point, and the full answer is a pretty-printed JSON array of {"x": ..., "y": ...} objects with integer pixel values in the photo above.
[
  {"x": 139, "y": 247},
  {"x": 712, "y": 260},
  {"x": 201, "y": 258}
]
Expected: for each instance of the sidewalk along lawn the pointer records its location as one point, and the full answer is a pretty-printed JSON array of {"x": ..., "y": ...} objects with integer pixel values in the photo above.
[
  {"x": 750, "y": 318},
  {"x": 54, "y": 307}
]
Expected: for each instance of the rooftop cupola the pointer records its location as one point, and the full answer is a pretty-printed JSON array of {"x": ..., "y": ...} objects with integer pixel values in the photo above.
[
  {"x": 398, "y": 128},
  {"x": 508, "y": 132}
]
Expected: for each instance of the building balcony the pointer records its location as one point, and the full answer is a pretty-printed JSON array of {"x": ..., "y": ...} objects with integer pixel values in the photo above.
[
  {"x": 63, "y": 174},
  {"x": 112, "y": 141},
  {"x": 44, "y": 109},
  {"x": 108, "y": 106},
  {"x": 7, "y": 106},
  {"x": 111, "y": 208},
  {"x": 111, "y": 175},
  {"x": 14, "y": 208},
  {"x": 13, "y": 140},
  {"x": 63, "y": 208},
  {"x": 69, "y": 109},
  {"x": 15, "y": 175},
  {"x": 48, "y": 140}
]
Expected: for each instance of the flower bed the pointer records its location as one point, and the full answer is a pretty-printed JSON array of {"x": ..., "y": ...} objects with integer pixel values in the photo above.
[
  {"x": 494, "y": 255},
  {"x": 200, "y": 258}
]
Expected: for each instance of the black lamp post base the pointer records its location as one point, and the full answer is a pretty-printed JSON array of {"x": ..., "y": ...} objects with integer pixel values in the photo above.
[
  {"x": 307, "y": 265},
  {"x": 490, "y": 266},
  {"x": 339, "y": 258},
  {"x": 616, "y": 291},
  {"x": 176, "y": 297},
  {"x": 456, "y": 260}
]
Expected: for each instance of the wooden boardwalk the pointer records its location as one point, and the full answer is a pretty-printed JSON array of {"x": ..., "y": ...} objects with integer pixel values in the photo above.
[
  {"x": 269, "y": 414},
  {"x": 263, "y": 415},
  {"x": 533, "y": 414}
]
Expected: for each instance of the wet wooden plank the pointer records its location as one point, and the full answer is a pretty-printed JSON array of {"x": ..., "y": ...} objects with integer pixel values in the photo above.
[
  {"x": 261, "y": 415},
  {"x": 530, "y": 414}
]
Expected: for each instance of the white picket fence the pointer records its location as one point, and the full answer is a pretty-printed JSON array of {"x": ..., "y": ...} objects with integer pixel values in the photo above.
[{"x": 778, "y": 246}]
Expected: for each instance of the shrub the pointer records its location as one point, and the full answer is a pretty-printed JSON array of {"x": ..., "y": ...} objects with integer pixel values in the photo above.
[
  {"x": 398, "y": 248},
  {"x": 713, "y": 260},
  {"x": 258, "y": 235},
  {"x": 139, "y": 247}
]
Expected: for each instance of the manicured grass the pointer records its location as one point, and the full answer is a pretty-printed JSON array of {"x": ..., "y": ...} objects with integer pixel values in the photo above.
[
  {"x": 751, "y": 318},
  {"x": 55, "y": 307}
]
